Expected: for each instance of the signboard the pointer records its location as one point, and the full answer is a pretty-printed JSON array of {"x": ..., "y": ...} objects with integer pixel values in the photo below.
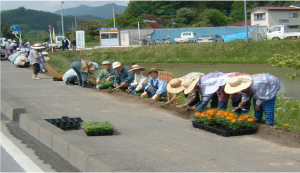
[
  {"x": 15, "y": 28},
  {"x": 80, "y": 40},
  {"x": 165, "y": 76},
  {"x": 110, "y": 29}
]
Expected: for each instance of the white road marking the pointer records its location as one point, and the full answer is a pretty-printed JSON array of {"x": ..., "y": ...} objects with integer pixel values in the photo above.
[{"x": 25, "y": 162}]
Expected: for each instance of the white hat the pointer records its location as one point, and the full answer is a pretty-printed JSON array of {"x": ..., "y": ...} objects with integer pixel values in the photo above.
[
  {"x": 116, "y": 64},
  {"x": 237, "y": 84},
  {"x": 146, "y": 72},
  {"x": 96, "y": 65},
  {"x": 44, "y": 53},
  {"x": 105, "y": 62},
  {"x": 213, "y": 84}
]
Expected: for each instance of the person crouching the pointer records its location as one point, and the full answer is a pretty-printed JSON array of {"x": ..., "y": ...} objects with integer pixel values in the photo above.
[
  {"x": 139, "y": 83},
  {"x": 155, "y": 87}
]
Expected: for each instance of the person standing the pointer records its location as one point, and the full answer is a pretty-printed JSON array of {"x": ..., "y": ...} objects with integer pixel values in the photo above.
[
  {"x": 263, "y": 87},
  {"x": 65, "y": 44},
  {"x": 35, "y": 59},
  {"x": 73, "y": 43}
]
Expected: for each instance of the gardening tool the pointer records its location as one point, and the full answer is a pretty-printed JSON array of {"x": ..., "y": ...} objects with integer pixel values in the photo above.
[
  {"x": 116, "y": 88},
  {"x": 236, "y": 109},
  {"x": 173, "y": 100}
]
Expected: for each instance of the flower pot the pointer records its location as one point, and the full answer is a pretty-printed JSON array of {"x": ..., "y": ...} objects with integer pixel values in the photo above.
[
  {"x": 235, "y": 132},
  {"x": 99, "y": 133},
  {"x": 109, "y": 132},
  {"x": 225, "y": 133},
  {"x": 243, "y": 131},
  {"x": 252, "y": 130}
]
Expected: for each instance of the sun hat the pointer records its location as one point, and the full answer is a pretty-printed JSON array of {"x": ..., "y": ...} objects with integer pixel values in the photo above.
[
  {"x": 116, "y": 64},
  {"x": 136, "y": 67},
  {"x": 44, "y": 53},
  {"x": 213, "y": 84},
  {"x": 105, "y": 62},
  {"x": 174, "y": 86},
  {"x": 37, "y": 46},
  {"x": 146, "y": 72},
  {"x": 190, "y": 84},
  {"x": 237, "y": 84},
  {"x": 96, "y": 65}
]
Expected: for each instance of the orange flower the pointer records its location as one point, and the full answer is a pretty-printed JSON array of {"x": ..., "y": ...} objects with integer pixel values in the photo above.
[
  {"x": 286, "y": 124},
  {"x": 194, "y": 107},
  {"x": 233, "y": 120},
  {"x": 197, "y": 113},
  {"x": 126, "y": 90},
  {"x": 176, "y": 103},
  {"x": 228, "y": 118},
  {"x": 117, "y": 89},
  {"x": 250, "y": 119},
  {"x": 209, "y": 118}
]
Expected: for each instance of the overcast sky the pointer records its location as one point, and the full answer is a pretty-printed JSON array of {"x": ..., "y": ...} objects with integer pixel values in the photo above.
[{"x": 54, "y": 5}]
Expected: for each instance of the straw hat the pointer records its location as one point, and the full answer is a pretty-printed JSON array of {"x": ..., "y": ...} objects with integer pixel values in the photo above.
[
  {"x": 237, "y": 84},
  {"x": 37, "y": 46},
  {"x": 116, "y": 64},
  {"x": 19, "y": 52},
  {"x": 174, "y": 86},
  {"x": 44, "y": 53},
  {"x": 189, "y": 84},
  {"x": 136, "y": 67},
  {"x": 146, "y": 72}
]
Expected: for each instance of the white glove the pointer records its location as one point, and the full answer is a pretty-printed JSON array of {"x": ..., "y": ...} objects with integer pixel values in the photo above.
[
  {"x": 154, "y": 97},
  {"x": 145, "y": 93}
]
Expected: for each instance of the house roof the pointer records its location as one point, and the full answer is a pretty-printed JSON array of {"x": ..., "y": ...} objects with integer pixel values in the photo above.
[
  {"x": 241, "y": 23},
  {"x": 274, "y": 8},
  {"x": 295, "y": 5},
  {"x": 153, "y": 24}
]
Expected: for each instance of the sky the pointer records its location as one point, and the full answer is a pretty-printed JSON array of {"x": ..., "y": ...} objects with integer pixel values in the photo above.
[{"x": 54, "y": 5}]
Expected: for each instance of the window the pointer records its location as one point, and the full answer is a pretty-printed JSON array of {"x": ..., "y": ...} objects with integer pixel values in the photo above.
[
  {"x": 260, "y": 16},
  {"x": 275, "y": 29},
  {"x": 113, "y": 35},
  {"x": 186, "y": 34},
  {"x": 293, "y": 15},
  {"x": 104, "y": 36},
  {"x": 283, "y": 20}
]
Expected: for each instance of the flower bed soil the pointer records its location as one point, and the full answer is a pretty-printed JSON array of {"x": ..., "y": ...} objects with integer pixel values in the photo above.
[{"x": 264, "y": 132}]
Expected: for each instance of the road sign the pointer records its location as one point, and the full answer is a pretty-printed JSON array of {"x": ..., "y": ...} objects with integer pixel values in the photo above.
[
  {"x": 15, "y": 28},
  {"x": 80, "y": 40}
]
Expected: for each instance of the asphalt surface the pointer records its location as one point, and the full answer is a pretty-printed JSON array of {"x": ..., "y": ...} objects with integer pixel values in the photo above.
[{"x": 146, "y": 139}]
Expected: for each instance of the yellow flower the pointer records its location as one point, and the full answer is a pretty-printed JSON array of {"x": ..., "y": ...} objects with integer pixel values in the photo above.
[{"x": 286, "y": 124}]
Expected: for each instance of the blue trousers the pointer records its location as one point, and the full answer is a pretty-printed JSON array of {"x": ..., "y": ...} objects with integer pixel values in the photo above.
[
  {"x": 268, "y": 108},
  {"x": 82, "y": 77}
]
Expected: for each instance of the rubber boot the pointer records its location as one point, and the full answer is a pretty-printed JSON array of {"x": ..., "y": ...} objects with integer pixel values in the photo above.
[
  {"x": 80, "y": 82},
  {"x": 35, "y": 77},
  {"x": 85, "y": 85}
]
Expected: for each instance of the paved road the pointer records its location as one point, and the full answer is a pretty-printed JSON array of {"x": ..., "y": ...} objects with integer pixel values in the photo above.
[{"x": 146, "y": 139}]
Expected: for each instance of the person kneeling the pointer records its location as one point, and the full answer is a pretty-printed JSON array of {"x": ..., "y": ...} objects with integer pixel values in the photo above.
[{"x": 155, "y": 87}]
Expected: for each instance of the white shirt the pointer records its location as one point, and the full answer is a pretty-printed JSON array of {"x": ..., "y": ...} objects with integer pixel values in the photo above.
[{"x": 138, "y": 81}]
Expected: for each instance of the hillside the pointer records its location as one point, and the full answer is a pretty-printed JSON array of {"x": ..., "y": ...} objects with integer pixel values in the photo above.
[{"x": 104, "y": 11}]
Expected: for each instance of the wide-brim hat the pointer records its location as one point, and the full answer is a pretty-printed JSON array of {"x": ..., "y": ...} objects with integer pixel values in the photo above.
[
  {"x": 96, "y": 65},
  {"x": 37, "y": 46},
  {"x": 136, "y": 67},
  {"x": 174, "y": 86},
  {"x": 190, "y": 84},
  {"x": 213, "y": 84},
  {"x": 116, "y": 64},
  {"x": 237, "y": 84},
  {"x": 146, "y": 72}
]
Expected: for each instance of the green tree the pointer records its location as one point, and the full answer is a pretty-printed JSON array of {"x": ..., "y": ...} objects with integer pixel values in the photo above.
[
  {"x": 215, "y": 17},
  {"x": 185, "y": 16},
  {"x": 6, "y": 31}
]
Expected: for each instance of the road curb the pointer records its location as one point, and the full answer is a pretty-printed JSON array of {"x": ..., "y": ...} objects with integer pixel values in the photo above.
[{"x": 11, "y": 109}]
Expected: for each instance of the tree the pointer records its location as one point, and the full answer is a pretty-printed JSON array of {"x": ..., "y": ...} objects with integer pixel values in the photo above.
[
  {"x": 185, "y": 16},
  {"x": 215, "y": 17},
  {"x": 6, "y": 31}
]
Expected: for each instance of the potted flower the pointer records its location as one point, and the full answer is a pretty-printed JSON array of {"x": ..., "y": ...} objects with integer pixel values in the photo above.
[
  {"x": 57, "y": 77},
  {"x": 97, "y": 128}
]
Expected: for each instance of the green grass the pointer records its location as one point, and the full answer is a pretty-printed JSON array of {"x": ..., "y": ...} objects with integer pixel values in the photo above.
[{"x": 287, "y": 110}]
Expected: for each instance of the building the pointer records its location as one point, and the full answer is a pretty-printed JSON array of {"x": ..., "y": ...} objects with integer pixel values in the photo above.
[{"x": 269, "y": 16}]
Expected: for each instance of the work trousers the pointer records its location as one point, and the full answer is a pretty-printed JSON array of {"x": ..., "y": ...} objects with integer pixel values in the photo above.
[
  {"x": 36, "y": 68},
  {"x": 268, "y": 108},
  {"x": 82, "y": 76}
]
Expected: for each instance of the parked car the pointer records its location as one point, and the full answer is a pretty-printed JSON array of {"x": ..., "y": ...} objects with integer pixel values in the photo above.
[
  {"x": 186, "y": 37},
  {"x": 278, "y": 32},
  {"x": 210, "y": 38}
]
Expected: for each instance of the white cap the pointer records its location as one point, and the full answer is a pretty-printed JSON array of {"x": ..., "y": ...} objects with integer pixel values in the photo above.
[{"x": 116, "y": 64}]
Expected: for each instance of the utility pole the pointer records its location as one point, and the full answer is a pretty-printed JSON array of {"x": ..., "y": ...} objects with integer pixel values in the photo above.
[
  {"x": 62, "y": 19},
  {"x": 75, "y": 22},
  {"x": 114, "y": 16},
  {"x": 246, "y": 20}
]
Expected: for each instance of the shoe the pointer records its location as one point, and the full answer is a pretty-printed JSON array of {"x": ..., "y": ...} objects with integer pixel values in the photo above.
[{"x": 35, "y": 77}]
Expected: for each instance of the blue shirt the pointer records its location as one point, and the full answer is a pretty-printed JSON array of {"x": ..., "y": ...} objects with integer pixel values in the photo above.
[
  {"x": 123, "y": 76},
  {"x": 206, "y": 97},
  {"x": 162, "y": 85},
  {"x": 264, "y": 87}
]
